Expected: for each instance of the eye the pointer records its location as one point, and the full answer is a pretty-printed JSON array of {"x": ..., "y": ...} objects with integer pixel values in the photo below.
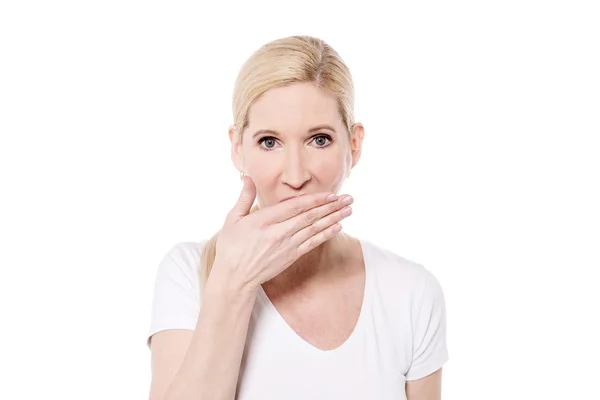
[
  {"x": 321, "y": 140},
  {"x": 270, "y": 142}
]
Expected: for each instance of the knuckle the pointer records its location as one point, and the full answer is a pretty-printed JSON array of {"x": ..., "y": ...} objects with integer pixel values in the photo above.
[
  {"x": 334, "y": 206},
  {"x": 276, "y": 238},
  {"x": 313, "y": 230},
  {"x": 297, "y": 207},
  {"x": 259, "y": 221},
  {"x": 316, "y": 202},
  {"x": 310, "y": 216},
  {"x": 296, "y": 253},
  {"x": 331, "y": 234},
  {"x": 318, "y": 239},
  {"x": 245, "y": 197}
]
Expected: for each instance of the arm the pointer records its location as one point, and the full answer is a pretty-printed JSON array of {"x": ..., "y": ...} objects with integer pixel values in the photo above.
[
  {"x": 205, "y": 364},
  {"x": 427, "y": 388}
]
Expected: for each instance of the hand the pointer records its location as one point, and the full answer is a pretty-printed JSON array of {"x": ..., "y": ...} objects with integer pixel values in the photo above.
[{"x": 257, "y": 247}]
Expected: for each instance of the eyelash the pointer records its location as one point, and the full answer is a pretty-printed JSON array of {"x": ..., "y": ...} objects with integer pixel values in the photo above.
[{"x": 261, "y": 140}]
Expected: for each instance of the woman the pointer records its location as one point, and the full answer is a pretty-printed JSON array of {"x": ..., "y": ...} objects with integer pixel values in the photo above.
[{"x": 281, "y": 304}]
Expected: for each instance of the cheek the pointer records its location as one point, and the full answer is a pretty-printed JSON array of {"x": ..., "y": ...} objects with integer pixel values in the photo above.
[
  {"x": 256, "y": 166},
  {"x": 329, "y": 168},
  {"x": 260, "y": 175}
]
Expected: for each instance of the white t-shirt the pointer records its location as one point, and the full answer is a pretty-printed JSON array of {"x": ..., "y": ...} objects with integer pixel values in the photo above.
[{"x": 400, "y": 334}]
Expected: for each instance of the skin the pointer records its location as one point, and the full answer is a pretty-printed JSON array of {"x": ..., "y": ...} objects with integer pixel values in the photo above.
[
  {"x": 426, "y": 388},
  {"x": 204, "y": 363},
  {"x": 292, "y": 160}
]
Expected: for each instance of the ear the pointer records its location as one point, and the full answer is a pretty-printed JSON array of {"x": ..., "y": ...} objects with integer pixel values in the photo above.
[
  {"x": 236, "y": 148},
  {"x": 356, "y": 143}
]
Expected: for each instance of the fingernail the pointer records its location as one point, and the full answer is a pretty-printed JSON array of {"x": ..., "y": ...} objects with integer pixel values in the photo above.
[
  {"x": 331, "y": 197},
  {"x": 347, "y": 200}
]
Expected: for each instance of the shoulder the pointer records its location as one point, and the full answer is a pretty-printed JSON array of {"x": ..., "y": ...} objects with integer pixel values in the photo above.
[
  {"x": 181, "y": 262},
  {"x": 184, "y": 252},
  {"x": 176, "y": 298},
  {"x": 389, "y": 264},
  {"x": 396, "y": 276}
]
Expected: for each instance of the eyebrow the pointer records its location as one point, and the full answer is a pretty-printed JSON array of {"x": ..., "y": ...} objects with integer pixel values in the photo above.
[{"x": 311, "y": 130}]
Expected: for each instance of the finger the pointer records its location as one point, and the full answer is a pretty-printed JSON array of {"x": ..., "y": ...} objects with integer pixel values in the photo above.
[
  {"x": 314, "y": 215},
  {"x": 293, "y": 207},
  {"x": 315, "y": 241},
  {"x": 319, "y": 226},
  {"x": 244, "y": 204}
]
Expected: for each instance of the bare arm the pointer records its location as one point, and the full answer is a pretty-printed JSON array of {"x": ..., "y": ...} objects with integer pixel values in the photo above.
[
  {"x": 254, "y": 248},
  {"x": 426, "y": 388},
  {"x": 205, "y": 364}
]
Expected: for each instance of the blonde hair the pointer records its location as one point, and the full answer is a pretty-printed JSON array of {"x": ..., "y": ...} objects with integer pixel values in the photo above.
[{"x": 281, "y": 62}]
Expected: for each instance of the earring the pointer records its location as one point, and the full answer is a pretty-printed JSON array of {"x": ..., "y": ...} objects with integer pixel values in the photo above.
[{"x": 242, "y": 174}]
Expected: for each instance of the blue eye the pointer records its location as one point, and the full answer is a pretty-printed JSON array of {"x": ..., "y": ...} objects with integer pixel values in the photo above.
[
  {"x": 323, "y": 137},
  {"x": 320, "y": 139},
  {"x": 267, "y": 140}
]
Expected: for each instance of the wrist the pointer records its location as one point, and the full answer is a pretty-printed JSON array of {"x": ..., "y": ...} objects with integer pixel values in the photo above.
[{"x": 223, "y": 281}]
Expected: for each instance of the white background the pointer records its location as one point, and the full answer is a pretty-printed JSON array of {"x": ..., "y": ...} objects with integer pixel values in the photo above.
[{"x": 481, "y": 161}]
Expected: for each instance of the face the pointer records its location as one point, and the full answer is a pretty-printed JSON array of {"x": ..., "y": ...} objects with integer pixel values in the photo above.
[{"x": 296, "y": 143}]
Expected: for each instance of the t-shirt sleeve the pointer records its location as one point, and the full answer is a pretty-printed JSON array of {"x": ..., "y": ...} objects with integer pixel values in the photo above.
[
  {"x": 430, "y": 350},
  {"x": 176, "y": 298}
]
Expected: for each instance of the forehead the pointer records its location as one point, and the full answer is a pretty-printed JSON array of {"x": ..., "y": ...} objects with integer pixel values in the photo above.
[{"x": 295, "y": 107}]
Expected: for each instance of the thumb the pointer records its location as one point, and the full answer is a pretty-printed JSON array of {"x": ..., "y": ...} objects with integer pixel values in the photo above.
[{"x": 245, "y": 201}]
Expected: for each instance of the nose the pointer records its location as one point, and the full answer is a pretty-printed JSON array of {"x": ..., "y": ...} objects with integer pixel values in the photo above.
[{"x": 295, "y": 172}]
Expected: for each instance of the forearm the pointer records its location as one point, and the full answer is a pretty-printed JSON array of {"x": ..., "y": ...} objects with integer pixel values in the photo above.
[{"x": 211, "y": 366}]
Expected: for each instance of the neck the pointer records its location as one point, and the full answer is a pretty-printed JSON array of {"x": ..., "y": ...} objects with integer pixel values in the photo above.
[{"x": 314, "y": 265}]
